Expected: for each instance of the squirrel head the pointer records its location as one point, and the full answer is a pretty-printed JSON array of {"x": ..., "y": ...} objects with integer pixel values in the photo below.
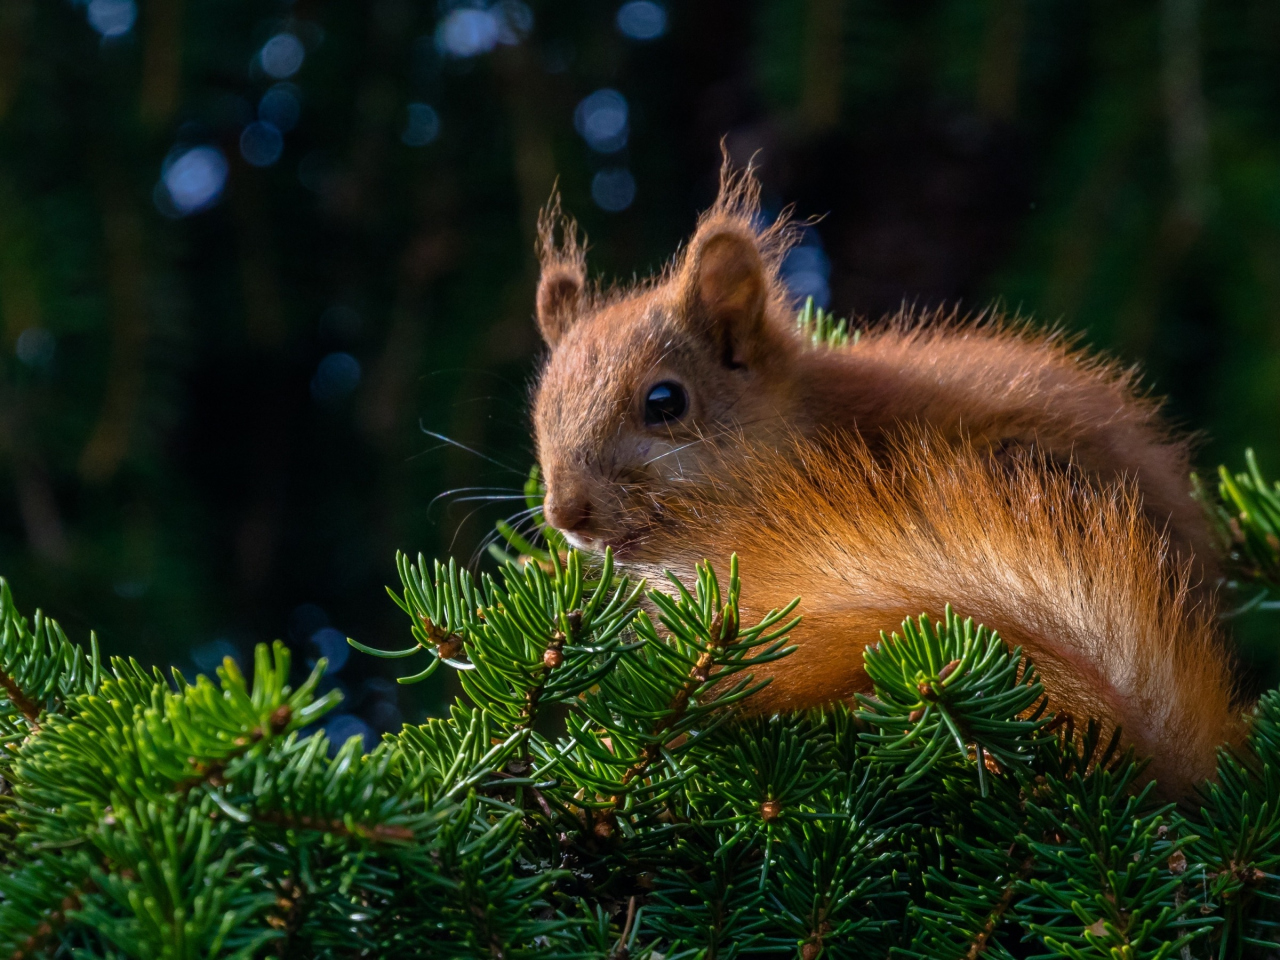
[{"x": 643, "y": 387}]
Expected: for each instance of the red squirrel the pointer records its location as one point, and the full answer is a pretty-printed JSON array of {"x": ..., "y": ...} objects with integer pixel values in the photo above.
[{"x": 687, "y": 417}]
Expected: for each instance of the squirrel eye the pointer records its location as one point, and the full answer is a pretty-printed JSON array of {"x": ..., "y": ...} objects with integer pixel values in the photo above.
[{"x": 666, "y": 403}]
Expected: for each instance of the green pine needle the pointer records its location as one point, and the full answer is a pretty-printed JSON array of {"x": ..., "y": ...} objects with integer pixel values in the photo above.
[{"x": 602, "y": 789}]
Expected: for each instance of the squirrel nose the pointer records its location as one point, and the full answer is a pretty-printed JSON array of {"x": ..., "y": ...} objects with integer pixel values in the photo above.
[{"x": 569, "y": 511}]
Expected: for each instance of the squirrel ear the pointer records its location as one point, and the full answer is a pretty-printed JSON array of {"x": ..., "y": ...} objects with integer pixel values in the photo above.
[
  {"x": 726, "y": 290},
  {"x": 559, "y": 296},
  {"x": 564, "y": 271}
]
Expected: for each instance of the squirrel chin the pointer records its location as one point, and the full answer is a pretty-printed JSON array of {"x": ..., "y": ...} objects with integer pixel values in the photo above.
[
  {"x": 623, "y": 544},
  {"x": 586, "y": 544}
]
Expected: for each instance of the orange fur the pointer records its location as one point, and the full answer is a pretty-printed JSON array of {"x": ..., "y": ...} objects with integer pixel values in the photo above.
[
  {"x": 997, "y": 384},
  {"x": 1072, "y": 573}
]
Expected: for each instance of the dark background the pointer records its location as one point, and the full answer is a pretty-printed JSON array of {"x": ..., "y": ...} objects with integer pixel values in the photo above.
[{"x": 226, "y": 322}]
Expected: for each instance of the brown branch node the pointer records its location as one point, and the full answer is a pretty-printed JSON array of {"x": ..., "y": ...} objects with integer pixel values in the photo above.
[
  {"x": 34, "y": 944},
  {"x": 378, "y": 832},
  {"x": 28, "y": 707}
]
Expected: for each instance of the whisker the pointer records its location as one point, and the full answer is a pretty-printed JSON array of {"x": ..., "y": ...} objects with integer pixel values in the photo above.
[
  {"x": 462, "y": 523},
  {"x": 449, "y": 493},
  {"x": 522, "y": 515},
  {"x": 491, "y": 498},
  {"x": 517, "y": 520},
  {"x": 722, "y": 432},
  {"x": 462, "y": 446},
  {"x": 684, "y": 446},
  {"x": 481, "y": 548}
]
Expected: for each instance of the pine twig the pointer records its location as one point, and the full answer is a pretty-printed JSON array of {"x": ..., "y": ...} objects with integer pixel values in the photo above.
[
  {"x": 211, "y": 774},
  {"x": 978, "y": 946},
  {"x": 19, "y": 699},
  {"x": 699, "y": 674},
  {"x": 620, "y": 951},
  {"x": 378, "y": 832}
]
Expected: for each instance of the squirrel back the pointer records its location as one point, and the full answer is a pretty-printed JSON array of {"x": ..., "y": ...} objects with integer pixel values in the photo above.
[
  {"x": 1010, "y": 390},
  {"x": 1073, "y": 573},
  {"x": 645, "y": 387}
]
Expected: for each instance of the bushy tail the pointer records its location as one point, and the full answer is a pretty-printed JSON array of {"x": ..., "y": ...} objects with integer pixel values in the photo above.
[{"x": 1073, "y": 574}]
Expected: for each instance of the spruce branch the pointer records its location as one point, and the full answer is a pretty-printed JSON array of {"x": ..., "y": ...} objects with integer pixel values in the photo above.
[
  {"x": 41, "y": 899},
  {"x": 577, "y": 630},
  {"x": 1239, "y": 836},
  {"x": 709, "y": 901},
  {"x": 1116, "y": 876},
  {"x": 141, "y": 737},
  {"x": 982, "y": 939},
  {"x": 26, "y": 706},
  {"x": 178, "y": 877},
  {"x": 668, "y": 692},
  {"x": 533, "y": 638},
  {"x": 1250, "y": 519},
  {"x": 40, "y": 669},
  {"x": 831, "y": 885},
  {"x": 943, "y": 688},
  {"x": 443, "y": 605}
]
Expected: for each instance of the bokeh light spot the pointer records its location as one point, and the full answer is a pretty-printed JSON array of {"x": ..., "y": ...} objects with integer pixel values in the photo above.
[
  {"x": 642, "y": 20},
  {"x": 341, "y": 727},
  {"x": 421, "y": 126},
  {"x": 282, "y": 56},
  {"x": 194, "y": 178},
  {"x": 613, "y": 189},
  {"x": 261, "y": 144},
  {"x": 305, "y": 620},
  {"x": 386, "y": 716},
  {"x": 601, "y": 119},
  {"x": 336, "y": 377},
  {"x": 333, "y": 646},
  {"x": 468, "y": 32},
  {"x": 209, "y": 656},
  {"x": 281, "y": 107},
  {"x": 35, "y": 347},
  {"x": 806, "y": 271},
  {"x": 112, "y": 18},
  {"x": 515, "y": 20}
]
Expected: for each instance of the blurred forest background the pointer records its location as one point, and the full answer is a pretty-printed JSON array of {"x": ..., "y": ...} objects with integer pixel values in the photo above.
[{"x": 253, "y": 253}]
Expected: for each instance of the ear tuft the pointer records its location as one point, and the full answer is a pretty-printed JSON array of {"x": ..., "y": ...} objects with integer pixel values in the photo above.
[
  {"x": 564, "y": 271},
  {"x": 729, "y": 276}
]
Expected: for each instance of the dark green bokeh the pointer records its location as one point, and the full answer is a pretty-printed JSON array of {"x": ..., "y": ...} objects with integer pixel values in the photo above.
[{"x": 168, "y": 476}]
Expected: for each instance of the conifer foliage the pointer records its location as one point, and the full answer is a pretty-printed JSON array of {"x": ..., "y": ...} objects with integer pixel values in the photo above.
[
  {"x": 1250, "y": 516},
  {"x": 600, "y": 790}
]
